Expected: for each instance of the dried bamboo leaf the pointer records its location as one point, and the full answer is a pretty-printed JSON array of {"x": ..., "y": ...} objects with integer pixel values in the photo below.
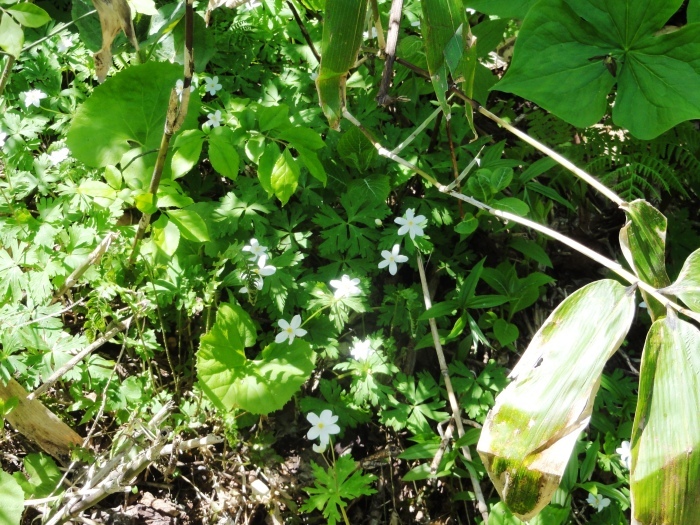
[
  {"x": 342, "y": 37},
  {"x": 687, "y": 285},
  {"x": 665, "y": 478},
  {"x": 528, "y": 436},
  {"x": 115, "y": 16}
]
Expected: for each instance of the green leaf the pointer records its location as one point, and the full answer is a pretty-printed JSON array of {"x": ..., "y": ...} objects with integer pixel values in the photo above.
[
  {"x": 127, "y": 111},
  {"x": 11, "y": 499},
  {"x": 188, "y": 148},
  {"x": 665, "y": 479},
  {"x": 687, "y": 285},
  {"x": 505, "y": 332},
  {"x": 302, "y": 137},
  {"x": 356, "y": 150},
  {"x": 565, "y": 48},
  {"x": 165, "y": 235},
  {"x": 643, "y": 243},
  {"x": 512, "y": 205},
  {"x": 146, "y": 202},
  {"x": 502, "y": 8},
  {"x": 283, "y": 176},
  {"x": 500, "y": 179},
  {"x": 29, "y": 15},
  {"x": 190, "y": 224},
  {"x": 342, "y": 37},
  {"x": 222, "y": 152},
  {"x": 532, "y": 250},
  {"x": 273, "y": 117},
  {"x": 439, "y": 310},
  {"x": 479, "y": 185},
  {"x": 530, "y": 433},
  {"x": 44, "y": 477},
  {"x": 468, "y": 225},
  {"x": 11, "y": 36},
  {"x": 693, "y": 13},
  {"x": 310, "y": 160}
]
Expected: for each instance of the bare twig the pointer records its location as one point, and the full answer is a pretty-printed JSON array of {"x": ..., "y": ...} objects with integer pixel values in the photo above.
[
  {"x": 177, "y": 111},
  {"x": 112, "y": 330},
  {"x": 304, "y": 31},
  {"x": 390, "y": 52},
  {"x": 454, "y": 405},
  {"x": 377, "y": 24},
  {"x": 80, "y": 270}
]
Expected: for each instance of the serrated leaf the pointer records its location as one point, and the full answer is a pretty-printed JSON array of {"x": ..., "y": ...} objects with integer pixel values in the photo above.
[
  {"x": 222, "y": 152},
  {"x": 687, "y": 285},
  {"x": 113, "y": 120},
  {"x": 666, "y": 436},
  {"x": 191, "y": 225},
  {"x": 11, "y": 500},
  {"x": 565, "y": 48},
  {"x": 530, "y": 433},
  {"x": 11, "y": 36}
]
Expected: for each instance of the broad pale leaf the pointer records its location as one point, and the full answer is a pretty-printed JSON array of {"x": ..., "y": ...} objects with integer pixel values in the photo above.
[
  {"x": 191, "y": 225},
  {"x": 127, "y": 114},
  {"x": 643, "y": 242},
  {"x": 11, "y": 500},
  {"x": 530, "y": 433},
  {"x": 11, "y": 36},
  {"x": 29, "y": 15},
  {"x": 570, "y": 53},
  {"x": 687, "y": 286},
  {"x": 665, "y": 477},
  {"x": 342, "y": 37}
]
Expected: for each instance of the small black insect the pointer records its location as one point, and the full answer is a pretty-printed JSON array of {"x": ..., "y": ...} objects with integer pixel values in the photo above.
[{"x": 608, "y": 61}]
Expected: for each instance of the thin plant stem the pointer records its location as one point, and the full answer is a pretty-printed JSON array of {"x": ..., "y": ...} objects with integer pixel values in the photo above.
[
  {"x": 6, "y": 71},
  {"x": 417, "y": 132},
  {"x": 304, "y": 31},
  {"x": 58, "y": 30},
  {"x": 507, "y": 216},
  {"x": 454, "y": 405}
]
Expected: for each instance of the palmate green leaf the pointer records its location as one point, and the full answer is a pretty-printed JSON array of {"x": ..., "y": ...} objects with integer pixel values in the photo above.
[
  {"x": 687, "y": 286},
  {"x": 259, "y": 386},
  {"x": 560, "y": 59},
  {"x": 643, "y": 242},
  {"x": 530, "y": 433},
  {"x": 127, "y": 114},
  {"x": 11, "y": 500},
  {"x": 342, "y": 37},
  {"x": 665, "y": 477}
]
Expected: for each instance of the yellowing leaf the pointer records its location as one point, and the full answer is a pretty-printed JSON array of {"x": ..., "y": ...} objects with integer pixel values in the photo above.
[{"x": 115, "y": 16}]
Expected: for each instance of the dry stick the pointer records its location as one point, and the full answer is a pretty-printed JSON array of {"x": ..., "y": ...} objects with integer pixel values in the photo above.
[
  {"x": 595, "y": 256},
  {"x": 177, "y": 111},
  {"x": 94, "y": 256},
  {"x": 113, "y": 329},
  {"x": 304, "y": 31},
  {"x": 378, "y": 24},
  {"x": 390, "y": 53},
  {"x": 456, "y": 411},
  {"x": 6, "y": 71},
  {"x": 525, "y": 137}
]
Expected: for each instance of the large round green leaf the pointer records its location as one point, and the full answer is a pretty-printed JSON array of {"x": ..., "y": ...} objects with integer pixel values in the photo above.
[
  {"x": 570, "y": 53},
  {"x": 126, "y": 112},
  {"x": 11, "y": 500}
]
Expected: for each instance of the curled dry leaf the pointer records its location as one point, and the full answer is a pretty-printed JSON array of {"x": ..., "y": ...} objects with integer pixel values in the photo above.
[{"x": 115, "y": 16}]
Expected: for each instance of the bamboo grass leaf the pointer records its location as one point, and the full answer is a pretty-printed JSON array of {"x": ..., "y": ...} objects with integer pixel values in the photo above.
[
  {"x": 665, "y": 478},
  {"x": 687, "y": 285},
  {"x": 342, "y": 36},
  {"x": 530, "y": 433},
  {"x": 643, "y": 242}
]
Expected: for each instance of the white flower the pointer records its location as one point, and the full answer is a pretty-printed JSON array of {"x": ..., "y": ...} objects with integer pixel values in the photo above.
[
  {"x": 597, "y": 501},
  {"x": 215, "y": 119},
  {"x": 323, "y": 427},
  {"x": 263, "y": 269},
  {"x": 180, "y": 85},
  {"x": 345, "y": 287},
  {"x": 255, "y": 249},
  {"x": 33, "y": 97},
  {"x": 3, "y": 138},
  {"x": 391, "y": 258},
  {"x": 411, "y": 224},
  {"x": 212, "y": 85},
  {"x": 58, "y": 156},
  {"x": 625, "y": 453},
  {"x": 64, "y": 43},
  {"x": 258, "y": 285},
  {"x": 361, "y": 350},
  {"x": 290, "y": 330},
  {"x": 372, "y": 33}
]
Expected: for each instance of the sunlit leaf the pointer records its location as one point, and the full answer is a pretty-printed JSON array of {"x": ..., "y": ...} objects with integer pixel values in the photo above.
[{"x": 687, "y": 286}]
